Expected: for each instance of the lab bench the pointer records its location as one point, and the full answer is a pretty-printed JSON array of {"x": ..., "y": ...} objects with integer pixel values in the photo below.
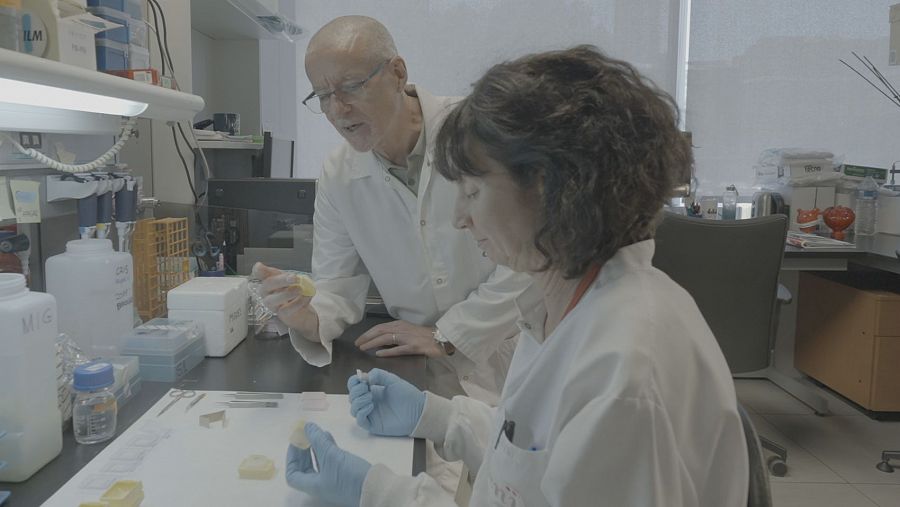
[{"x": 254, "y": 365}]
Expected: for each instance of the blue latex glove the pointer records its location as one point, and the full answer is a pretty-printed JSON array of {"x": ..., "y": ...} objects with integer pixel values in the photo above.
[
  {"x": 386, "y": 404},
  {"x": 341, "y": 474}
]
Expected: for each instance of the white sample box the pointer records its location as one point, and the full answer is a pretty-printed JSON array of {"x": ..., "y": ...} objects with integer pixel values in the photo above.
[{"x": 220, "y": 303}]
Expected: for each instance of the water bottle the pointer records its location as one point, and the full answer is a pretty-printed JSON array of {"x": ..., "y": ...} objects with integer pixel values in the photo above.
[
  {"x": 729, "y": 203},
  {"x": 94, "y": 411},
  {"x": 866, "y": 198}
]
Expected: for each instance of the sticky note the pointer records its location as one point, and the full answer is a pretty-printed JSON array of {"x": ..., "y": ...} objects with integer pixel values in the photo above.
[
  {"x": 6, "y": 209},
  {"x": 26, "y": 198}
]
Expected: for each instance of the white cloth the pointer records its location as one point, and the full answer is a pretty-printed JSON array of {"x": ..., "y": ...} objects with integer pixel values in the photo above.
[
  {"x": 368, "y": 226},
  {"x": 628, "y": 403}
]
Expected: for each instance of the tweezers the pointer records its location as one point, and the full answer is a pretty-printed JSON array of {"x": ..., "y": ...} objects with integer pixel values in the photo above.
[
  {"x": 244, "y": 395},
  {"x": 249, "y": 404}
]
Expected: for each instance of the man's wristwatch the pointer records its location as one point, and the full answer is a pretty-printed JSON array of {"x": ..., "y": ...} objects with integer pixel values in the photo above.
[{"x": 443, "y": 343}]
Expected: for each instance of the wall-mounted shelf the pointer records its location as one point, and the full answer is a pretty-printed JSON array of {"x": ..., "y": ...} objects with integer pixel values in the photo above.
[
  {"x": 229, "y": 145},
  {"x": 162, "y": 103},
  {"x": 240, "y": 20}
]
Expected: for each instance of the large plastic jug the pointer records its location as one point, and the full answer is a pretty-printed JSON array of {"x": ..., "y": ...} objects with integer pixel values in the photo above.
[
  {"x": 29, "y": 407},
  {"x": 94, "y": 288}
]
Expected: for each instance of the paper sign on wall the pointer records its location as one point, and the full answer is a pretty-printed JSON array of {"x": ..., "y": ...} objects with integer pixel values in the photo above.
[
  {"x": 26, "y": 197},
  {"x": 6, "y": 209}
]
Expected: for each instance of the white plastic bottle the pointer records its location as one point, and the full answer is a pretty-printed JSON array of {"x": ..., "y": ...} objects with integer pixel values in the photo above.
[
  {"x": 29, "y": 407},
  {"x": 866, "y": 206},
  {"x": 94, "y": 287}
]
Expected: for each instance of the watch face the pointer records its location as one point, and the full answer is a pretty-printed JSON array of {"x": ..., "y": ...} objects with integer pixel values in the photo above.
[{"x": 448, "y": 347}]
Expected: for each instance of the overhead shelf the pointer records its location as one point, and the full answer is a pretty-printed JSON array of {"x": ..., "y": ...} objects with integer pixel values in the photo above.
[
  {"x": 241, "y": 20},
  {"x": 228, "y": 145},
  {"x": 161, "y": 103}
]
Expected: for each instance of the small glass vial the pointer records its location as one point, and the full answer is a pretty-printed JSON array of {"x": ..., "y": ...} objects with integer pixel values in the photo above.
[{"x": 94, "y": 411}]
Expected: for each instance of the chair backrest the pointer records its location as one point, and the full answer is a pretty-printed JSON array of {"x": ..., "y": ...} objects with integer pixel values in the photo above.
[
  {"x": 759, "y": 494},
  {"x": 730, "y": 268}
]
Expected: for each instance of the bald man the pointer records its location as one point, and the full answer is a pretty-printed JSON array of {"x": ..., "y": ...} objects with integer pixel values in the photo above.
[{"x": 382, "y": 214}]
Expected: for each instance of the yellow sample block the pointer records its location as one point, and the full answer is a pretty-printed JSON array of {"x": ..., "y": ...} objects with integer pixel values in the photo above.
[
  {"x": 256, "y": 467},
  {"x": 306, "y": 285},
  {"x": 298, "y": 437},
  {"x": 123, "y": 494}
]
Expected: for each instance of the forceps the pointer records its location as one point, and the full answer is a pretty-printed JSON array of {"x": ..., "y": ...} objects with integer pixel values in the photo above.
[{"x": 177, "y": 394}]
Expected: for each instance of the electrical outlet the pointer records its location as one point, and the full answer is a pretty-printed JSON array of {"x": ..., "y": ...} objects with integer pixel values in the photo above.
[{"x": 30, "y": 140}]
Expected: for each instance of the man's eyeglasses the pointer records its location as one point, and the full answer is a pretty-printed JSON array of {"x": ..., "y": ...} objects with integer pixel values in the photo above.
[{"x": 348, "y": 93}]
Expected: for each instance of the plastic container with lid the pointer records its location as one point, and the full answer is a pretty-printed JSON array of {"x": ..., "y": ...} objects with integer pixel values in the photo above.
[
  {"x": 220, "y": 304},
  {"x": 93, "y": 286},
  {"x": 115, "y": 16},
  {"x": 29, "y": 405},
  {"x": 138, "y": 57},
  {"x": 166, "y": 348},
  {"x": 132, "y": 8},
  {"x": 138, "y": 34},
  {"x": 95, "y": 409},
  {"x": 111, "y": 55}
]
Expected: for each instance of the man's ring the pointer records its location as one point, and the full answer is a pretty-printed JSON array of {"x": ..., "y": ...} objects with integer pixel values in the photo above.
[{"x": 394, "y": 336}]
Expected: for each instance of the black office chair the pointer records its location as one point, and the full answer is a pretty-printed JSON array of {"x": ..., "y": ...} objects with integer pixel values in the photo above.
[
  {"x": 730, "y": 268},
  {"x": 758, "y": 494}
]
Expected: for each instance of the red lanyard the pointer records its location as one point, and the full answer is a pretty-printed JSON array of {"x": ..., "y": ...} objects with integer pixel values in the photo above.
[{"x": 583, "y": 286}]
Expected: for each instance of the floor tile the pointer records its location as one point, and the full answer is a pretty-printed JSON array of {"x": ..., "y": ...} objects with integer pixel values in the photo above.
[
  {"x": 802, "y": 466},
  {"x": 848, "y": 445},
  {"x": 764, "y": 397},
  {"x": 885, "y": 495},
  {"x": 788, "y": 494}
]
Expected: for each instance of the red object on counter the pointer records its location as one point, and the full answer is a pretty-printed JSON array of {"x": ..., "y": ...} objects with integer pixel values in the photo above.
[
  {"x": 838, "y": 218},
  {"x": 808, "y": 220}
]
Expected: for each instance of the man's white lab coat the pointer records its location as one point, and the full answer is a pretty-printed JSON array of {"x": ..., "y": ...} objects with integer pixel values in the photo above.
[
  {"x": 629, "y": 402},
  {"x": 367, "y": 225}
]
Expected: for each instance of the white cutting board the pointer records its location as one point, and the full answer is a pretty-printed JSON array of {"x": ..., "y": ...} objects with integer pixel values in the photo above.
[{"x": 191, "y": 465}]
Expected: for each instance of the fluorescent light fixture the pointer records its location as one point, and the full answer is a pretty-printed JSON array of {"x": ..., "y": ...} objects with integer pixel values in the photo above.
[{"x": 32, "y": 94}]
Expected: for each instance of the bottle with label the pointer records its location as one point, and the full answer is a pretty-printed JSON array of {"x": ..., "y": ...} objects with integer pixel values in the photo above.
[
  {"x": 29, "y": 405},
  {"x": 866, "y": 206},
  {"x": 94, "y": 411},
  {"x": 729, "y": 203},
  {"x": 91, "y": 271}
]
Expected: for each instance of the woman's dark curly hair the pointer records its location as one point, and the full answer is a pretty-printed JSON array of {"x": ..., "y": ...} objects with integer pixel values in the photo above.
[{"x": 597, "y": 140}]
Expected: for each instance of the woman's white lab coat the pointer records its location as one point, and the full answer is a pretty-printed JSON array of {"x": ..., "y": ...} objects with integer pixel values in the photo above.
[
  {"x": 628, "y": 403},
  {"x": 369, "y": 227}
]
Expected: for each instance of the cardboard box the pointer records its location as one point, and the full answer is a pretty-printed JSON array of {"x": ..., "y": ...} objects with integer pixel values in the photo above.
[
  {"x": 806, "y": 198},
  {"x": 848, "y": 338},
  {"x": 795, "y": 169},
  {"x": 859, "y": 173}
]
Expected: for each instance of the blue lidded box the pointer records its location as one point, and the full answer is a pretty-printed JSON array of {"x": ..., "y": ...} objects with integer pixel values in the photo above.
[
  {"x": 167, "y": 349},
  {"x": 111, "y": 55},
  {"x": 133, "y": 8},
  {"x": 117, "y": 17}
]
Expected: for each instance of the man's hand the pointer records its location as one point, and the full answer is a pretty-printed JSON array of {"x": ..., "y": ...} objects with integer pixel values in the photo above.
[
  {"x": 407, "y": 340},
  {"x": 283, "y": 296}
]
